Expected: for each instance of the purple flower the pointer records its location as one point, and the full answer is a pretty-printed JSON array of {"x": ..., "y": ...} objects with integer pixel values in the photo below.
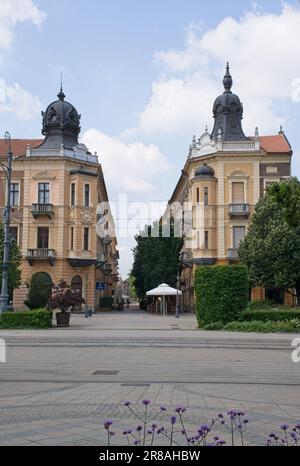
[
  {"x": 127, "y": 403},
  {"x": 293, "y": 435},
  {"x": 284, "y": 427},
  {"x": 173, "y": 420},
  {"x": 149, "y": 431},
  {"x": 146, "y": 402},
  {"x": 162, "y": 408},
  {"x": 179, "y": 409},
  {"x": 220, "y": 415},
  {"x": 112, "y": 434},
  {"x": 154, "y": 426},
  {"x": 107, "y": 424},
  {"x": 136, "y": 442},
  {"x": 139, "y": 428}
]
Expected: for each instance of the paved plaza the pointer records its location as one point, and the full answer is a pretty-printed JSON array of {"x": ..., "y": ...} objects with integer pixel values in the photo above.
[{"x": 59, "y": 385}]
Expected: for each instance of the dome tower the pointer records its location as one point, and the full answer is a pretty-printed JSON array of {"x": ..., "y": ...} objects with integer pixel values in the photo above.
[
  {"x": 228, "y": 113},
  {"x": 61, "y": 124}
]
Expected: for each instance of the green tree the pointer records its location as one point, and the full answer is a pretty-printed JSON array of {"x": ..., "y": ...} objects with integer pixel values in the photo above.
[
  {"x": 271, "y": 249},
  {"x": 40, "y": 287},
  {"x": 132, "y": 289},
  {"x": 155, "y": 258},
  {"x": 14, "y": 272}
]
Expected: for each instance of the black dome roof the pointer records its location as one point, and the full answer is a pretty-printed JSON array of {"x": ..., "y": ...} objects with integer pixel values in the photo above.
[
  {"x": 228, "y": 113},
  {"x": 204, "y": 171},
  {"x": 61, "y": 124}
]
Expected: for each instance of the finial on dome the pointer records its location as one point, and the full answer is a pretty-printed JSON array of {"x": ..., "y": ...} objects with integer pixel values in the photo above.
[
  {"x": 227, "y": 81},
  {"x": 61, "y": 94},
  {"x": 206, "y": 128}
]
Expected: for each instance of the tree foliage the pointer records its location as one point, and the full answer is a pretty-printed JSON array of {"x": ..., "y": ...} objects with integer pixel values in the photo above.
[
  {"x": 271, "y": 249},
  {"x": 14, "y": 272},
  {"x": 39, "y": 291},
  {"x": 155, "y": 258}
]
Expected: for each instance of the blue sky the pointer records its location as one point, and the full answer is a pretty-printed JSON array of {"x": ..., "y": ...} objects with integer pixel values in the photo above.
[{"x": 144, "y": 75}]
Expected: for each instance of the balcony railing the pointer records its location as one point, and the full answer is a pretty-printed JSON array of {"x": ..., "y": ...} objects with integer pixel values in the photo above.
[
  {"x": 239, "y": 210},
  {"x": 42, "y": 209},
  {"x": 232, "y": 254},
  {"x": 41, "y": 254}
]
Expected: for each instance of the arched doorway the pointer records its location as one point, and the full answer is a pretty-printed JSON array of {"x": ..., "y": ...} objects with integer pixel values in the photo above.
[
  {"x": 76, "y": 287},
  {"x": 39, "y": 290}
]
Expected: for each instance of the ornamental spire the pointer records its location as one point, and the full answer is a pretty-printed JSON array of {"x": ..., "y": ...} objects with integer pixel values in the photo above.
[
  {"x": 227, "y": 81},
  {"x": 61, "y": 94}
]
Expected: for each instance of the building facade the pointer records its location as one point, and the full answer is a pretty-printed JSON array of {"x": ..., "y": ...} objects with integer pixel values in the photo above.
[
  {"x": 223, "y": 178},
  {"x": 57, "y": 186}
]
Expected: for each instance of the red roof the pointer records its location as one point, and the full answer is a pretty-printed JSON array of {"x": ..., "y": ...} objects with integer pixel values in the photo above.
[
  {"x": 18, "y": 146},
  {"x": 275, "y": 144}
]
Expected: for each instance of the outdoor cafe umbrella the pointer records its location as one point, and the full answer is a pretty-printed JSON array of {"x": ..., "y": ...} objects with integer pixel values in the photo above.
[{"x": 163, "y": 290}]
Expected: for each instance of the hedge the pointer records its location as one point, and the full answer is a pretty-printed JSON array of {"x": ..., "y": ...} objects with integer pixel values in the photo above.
[
  {"x": 273, "y": 315},
  {"x": 39, "y": 318},
  {"x": 292, "y": 326},
  {"x": 221, "y": 293},
  {"x": 106, "y": 301}
]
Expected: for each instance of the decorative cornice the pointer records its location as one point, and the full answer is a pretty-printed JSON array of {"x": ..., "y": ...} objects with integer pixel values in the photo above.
[{"x": 44, "y": 175}]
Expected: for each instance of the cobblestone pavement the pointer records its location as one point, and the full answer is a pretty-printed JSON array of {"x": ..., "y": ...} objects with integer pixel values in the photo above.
[{"x": 59, "y": 385}]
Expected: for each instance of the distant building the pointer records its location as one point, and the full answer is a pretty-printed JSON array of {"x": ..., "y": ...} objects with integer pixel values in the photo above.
[
  {"x": 57, "y": 185},
  {"x": 224, "y": 176}
]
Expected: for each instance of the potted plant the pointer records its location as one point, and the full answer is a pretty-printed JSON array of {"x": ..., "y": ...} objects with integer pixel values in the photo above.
[{"x": 64, "y": 298}]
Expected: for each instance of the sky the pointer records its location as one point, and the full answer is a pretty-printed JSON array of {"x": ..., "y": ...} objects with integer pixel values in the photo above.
[{"x": 144, "y": 75}]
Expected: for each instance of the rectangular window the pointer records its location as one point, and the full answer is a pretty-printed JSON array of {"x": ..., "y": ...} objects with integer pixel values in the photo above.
[
  {"x": 238, "y": 236},
  {"x": 238, "y": 193},
  {"x": 86, "y": 239},
  {"x": 72, "y": 238},
  {"x": 86, "y": 195},
  {"x": 194, "y": 223},
  {"x": 205, "y": 196},
  {"x": 43, "y": 237},
  {"x": 13, "y": 231},
  {"x": 197, "y": 195},
  {"x": 44, "y": 193},
  {"x": 14, "y": 194},
  {"x": 206, "y": 240},
  {"x": 73, "y": 198}
]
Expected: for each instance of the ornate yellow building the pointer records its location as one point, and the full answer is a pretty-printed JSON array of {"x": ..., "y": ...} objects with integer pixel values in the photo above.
[
  {"x": 57, "y": 185},
  {"x": 224, "y": 176}
]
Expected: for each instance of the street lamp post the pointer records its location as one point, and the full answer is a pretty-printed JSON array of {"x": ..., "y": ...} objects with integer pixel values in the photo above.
[
  {"x": 6, "y": 244},
  {"x": 177, "y": 294}
]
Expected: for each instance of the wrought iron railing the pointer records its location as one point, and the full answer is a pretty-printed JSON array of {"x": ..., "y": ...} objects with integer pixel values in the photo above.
[{"x": 239, "y": 209}]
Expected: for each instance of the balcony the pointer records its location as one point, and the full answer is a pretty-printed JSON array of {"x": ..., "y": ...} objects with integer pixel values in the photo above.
[
  {"x": 232, "y": 255},
  {"x": 239, "y": 210},
  {"x": 107, "y": 269},
  {"x": 41, "y": 254},
  {"x": 39, "y": 210},
  {"x": 100, "y": 259}
]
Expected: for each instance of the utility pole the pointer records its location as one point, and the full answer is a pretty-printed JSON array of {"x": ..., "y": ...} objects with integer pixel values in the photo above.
[{"x": 6, "y": 244}]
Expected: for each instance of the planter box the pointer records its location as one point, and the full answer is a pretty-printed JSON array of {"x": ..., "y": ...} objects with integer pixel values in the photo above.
[{"x": 63, "y": 319}]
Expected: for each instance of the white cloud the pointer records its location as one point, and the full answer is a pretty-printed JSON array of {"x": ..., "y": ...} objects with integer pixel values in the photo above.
[
  {"x": 264, "y": 53},
  {"x": 13, "y": 12},
  {"x": 127, "y": 167},
  {"x": 19, "y": 101}
]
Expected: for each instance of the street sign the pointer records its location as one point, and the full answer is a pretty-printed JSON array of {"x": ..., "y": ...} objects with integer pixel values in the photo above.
[{"x": 100, "y": 286}]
